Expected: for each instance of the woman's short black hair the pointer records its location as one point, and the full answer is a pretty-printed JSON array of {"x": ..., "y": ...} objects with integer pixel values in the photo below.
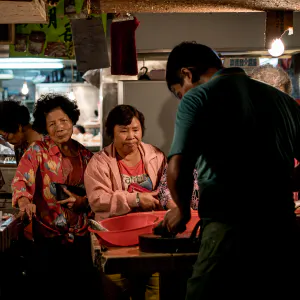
[
  {"x": 49, "y": 102},
  {"x": 197, "y": 58},
  {"x": 123, "y": 115},
  {"x": 12, "y": 115}
]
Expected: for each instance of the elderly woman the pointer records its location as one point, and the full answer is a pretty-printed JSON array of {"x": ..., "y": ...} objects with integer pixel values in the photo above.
[
  {"x": 274, "y": 76},
  {"x": 60, "y": 228},
  {"x": 15, "y": 127},
  {"x": 126, "y": 162}
]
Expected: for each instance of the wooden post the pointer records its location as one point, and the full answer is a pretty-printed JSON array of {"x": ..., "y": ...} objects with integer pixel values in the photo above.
[
  {"x": 277, "y": 22},
  {"x": 7, "y": 34}
]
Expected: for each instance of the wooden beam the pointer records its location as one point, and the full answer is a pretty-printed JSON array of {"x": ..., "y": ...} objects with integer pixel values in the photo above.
[
  {"x": 277, "y": 22},
  {"x": 189, "y": 6},
  {"x": 27, "y": 12}
]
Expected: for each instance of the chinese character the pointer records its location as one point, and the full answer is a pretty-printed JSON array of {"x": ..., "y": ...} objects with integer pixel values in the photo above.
[
  {"x": 67, "y": 34},
  {"x": 241, "y": 62},
  {"x": 251, "y": 62},
  {"x": 52, "y": 17},
  {"x": 237, "y": 62},
  {"x": 231, "y": 62}
]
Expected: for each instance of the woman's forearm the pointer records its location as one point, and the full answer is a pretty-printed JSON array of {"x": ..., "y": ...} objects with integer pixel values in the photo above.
[{"x": 171, "y": 204}]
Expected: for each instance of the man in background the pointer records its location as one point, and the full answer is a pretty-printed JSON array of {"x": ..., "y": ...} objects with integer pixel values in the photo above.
[{"x": 242, "y": 135}]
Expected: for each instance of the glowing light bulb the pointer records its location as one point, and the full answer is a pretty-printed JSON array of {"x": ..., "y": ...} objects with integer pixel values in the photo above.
[
  {"x": 71, "y": 96},
  {"x": 277, "y": 48},
  {"x": 25, "y": 89}
]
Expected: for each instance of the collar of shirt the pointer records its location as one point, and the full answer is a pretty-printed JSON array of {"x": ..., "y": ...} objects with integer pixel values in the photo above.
[
  {"x": 53, "y": 148},
  {"x": 228, "y": 71}
]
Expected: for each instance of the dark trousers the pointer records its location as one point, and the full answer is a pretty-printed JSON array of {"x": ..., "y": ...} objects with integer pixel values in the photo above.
[
  {"x": 246, "y": 262},
  {"x": 13, "y": 266},
  {"x": 58, "y": 270}
]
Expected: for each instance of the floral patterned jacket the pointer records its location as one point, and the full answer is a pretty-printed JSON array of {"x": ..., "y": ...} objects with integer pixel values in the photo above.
[
  {"x": 164, "y": 194},
  {"x": 41, "y": 165}
]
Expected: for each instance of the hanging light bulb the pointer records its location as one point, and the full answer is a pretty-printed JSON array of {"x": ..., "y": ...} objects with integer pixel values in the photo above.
[
  {"x": 25, "y": 89},
  {"x": 277, "y": 48},
  {"x": 72, "y": 95}
]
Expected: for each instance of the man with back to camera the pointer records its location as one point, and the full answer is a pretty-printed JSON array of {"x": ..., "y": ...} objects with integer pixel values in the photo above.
[{"x": 242, "y": 135}]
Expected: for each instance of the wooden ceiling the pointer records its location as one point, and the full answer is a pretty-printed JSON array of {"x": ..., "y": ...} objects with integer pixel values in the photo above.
[
  {"x": 186, "y": 6},
  {"x": 31, "y": 11},
  {"x": 35, "y": 11}
]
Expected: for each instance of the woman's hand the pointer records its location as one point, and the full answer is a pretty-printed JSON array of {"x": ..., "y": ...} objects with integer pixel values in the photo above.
[
  {"x": 75, "y": 202},
  {"x": 148, "y": 202},
  {"x": 26, "y": 207}
]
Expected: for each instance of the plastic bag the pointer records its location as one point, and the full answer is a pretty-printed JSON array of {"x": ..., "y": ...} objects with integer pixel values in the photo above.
[{"x": 92, "y": 77}]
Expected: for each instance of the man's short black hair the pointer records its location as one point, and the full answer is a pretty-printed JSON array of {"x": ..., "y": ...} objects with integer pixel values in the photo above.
[
  {"x": 12, "y": 115},
  {"x": 123, "y": 115},
  {"x": 49, "y": 102},
  {"x": 196, "y": 57}
]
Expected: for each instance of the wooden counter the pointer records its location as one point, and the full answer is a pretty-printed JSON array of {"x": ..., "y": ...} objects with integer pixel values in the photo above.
[
  {"x": 174, "y": 268},
  {"x": 10, "y": 165}
]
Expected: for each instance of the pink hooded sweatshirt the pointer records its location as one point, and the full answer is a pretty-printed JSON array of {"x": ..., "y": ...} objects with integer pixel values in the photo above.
[{"x": 103, "y": 181}]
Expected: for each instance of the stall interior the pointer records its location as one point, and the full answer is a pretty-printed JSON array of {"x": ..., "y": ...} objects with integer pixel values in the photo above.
[
  {"x": 41, "y": 76},
  {"x": 25, "y": 80}
]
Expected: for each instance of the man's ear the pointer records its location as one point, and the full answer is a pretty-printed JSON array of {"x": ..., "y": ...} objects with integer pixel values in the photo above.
[{"x": 186, "y": 73}]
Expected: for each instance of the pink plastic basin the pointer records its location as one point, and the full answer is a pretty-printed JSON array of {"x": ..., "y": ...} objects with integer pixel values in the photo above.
[{"x": 125, "y": 230}]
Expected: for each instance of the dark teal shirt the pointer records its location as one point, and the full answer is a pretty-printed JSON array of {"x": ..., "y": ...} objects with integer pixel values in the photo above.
[{"x": 243, "y": 136}]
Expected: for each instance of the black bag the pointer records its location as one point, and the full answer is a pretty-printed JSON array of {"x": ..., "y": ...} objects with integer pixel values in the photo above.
[
  {"x": 61, "y": 195},
  {"x": 163, "y": 242}
]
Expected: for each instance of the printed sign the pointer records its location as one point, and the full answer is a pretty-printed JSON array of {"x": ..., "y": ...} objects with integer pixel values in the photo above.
[
  {"x": 246, "y": 63},
  {"x": 90, "y": 44},
  {"x": 55, "y": 38}
]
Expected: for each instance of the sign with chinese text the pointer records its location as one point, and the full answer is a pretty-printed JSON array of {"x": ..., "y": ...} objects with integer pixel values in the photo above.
[
  {"x": 53, "y": 39},
  {"x": 246, "y": 63}
]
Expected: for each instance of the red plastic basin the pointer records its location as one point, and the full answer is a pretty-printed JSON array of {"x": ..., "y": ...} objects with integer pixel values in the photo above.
[{"x": 125, "y": 230}]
